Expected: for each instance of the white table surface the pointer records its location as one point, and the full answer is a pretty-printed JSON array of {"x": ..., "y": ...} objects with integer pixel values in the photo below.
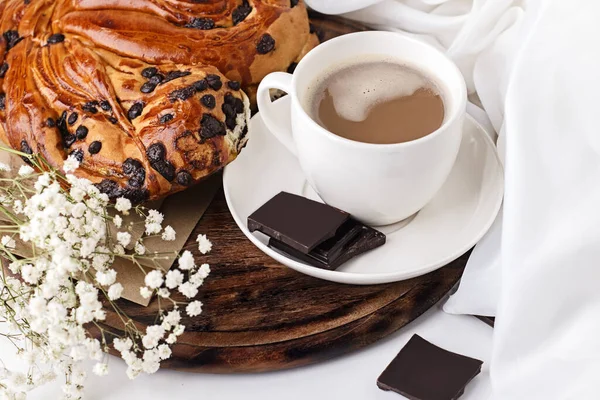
[{"x": 349, "y": 377}]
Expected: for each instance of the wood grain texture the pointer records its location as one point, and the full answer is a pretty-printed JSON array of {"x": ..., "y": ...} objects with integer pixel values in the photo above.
[
  {"x": 262, "y": 316},
  {"x": 327, "y": 26}
]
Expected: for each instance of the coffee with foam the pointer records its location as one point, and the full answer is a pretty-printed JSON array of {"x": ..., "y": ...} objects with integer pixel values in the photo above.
[{"x": 376, "y": 101}]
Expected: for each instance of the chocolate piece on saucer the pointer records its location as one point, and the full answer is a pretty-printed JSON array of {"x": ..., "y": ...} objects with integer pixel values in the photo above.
[
  {"x": 423, "y": 371},
  {"x": 351, "y": 240},
  {"x": 296, "y": 221}
]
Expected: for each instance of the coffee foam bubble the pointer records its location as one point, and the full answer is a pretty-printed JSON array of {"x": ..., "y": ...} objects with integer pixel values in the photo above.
[{"x": 356, "y": 88}]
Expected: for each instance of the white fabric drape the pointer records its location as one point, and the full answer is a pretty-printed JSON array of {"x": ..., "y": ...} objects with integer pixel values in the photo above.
[
  {"x": 547, "y": 342},
  {"x": 534, "y": 67}
]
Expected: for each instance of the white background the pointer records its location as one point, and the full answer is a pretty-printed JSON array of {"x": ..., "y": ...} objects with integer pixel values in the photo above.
[{"x": 349, "y": 377}]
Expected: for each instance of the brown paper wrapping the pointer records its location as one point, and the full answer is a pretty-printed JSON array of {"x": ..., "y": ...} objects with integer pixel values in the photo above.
[{"x": 182, "y": 211}]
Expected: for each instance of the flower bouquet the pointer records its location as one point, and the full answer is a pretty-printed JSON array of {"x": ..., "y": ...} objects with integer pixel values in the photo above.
[{"x": 58, "y": 242}]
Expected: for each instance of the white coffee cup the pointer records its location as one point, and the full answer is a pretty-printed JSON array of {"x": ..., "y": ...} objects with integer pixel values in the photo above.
[{"x": 377, "y": 183}]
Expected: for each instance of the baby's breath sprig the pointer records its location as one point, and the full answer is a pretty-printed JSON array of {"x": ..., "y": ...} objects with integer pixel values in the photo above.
[{"x": 57, "y": 246}]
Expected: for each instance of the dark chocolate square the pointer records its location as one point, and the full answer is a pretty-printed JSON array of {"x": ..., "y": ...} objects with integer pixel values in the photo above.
[
  {"x": 351, "y": 240},
  {"x": 331, "y": 249},
  {"x": 300, "y": 223},
  {"x": 423, "y": 371}
]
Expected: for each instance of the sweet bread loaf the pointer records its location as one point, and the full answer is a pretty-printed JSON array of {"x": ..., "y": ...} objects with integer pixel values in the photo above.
[{"x": 148, "y": 94}]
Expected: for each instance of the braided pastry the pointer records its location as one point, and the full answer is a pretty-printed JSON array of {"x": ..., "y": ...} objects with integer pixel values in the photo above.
[{"x": 147, "y": 94}]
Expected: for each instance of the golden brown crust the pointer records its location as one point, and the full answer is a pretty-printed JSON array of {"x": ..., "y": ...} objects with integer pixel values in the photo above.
[{"x": 144, "y": 92}]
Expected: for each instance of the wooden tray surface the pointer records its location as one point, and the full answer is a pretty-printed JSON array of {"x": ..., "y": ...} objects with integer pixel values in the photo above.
[{"x": 260, "y": 315}]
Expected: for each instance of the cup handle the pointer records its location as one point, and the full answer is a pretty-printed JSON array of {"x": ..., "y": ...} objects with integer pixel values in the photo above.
[{"x": 277, "y": 125}]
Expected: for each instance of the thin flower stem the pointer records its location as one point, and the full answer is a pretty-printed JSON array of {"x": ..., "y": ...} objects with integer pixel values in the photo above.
[{"x": 10, "y": 215}]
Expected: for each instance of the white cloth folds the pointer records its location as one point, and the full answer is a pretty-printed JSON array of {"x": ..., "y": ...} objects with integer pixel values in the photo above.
[
  {"x": 546, "y": 344},
  {"x": 480, "y": 285},
  {"x": 533, "y": 66}
]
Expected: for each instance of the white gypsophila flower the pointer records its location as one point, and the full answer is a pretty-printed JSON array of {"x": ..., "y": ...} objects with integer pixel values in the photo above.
[
  {"x": 115, "y": 291},
  {"x": 100, "y": 369},
  {"x": 133, "y": 362},
  {"x": 106, "y": 278},
  {"x": 173, "y": 279},
  {"x": 153, "y": 228},
  {"x": 196, "y": 279},
  {"x": 168, "y": 234},
  {"x": 92, "y": 191},
  {"x": 118, "y": 221},
  {"x": 194, "y": 308},
  {"x": 151, "y": 362},
  {"x": 31, "y": 274},
  {"x": 56, "y": 310},
  {"x": 15, "y": 266},
  {"x": 4, "y": 167},
  {"x": 204, "y": 245},
  {"x": 133, "y": 373},
  {"x": 78, "y": 194},
  {"x": 164, "y": 352},
  {"x": 164, "y": 293},
  {"x": 154, "y": 217},
  {"x": 145, "y": 292},
  {"x": 123, "y": 205},
  {"x": 204, "y": 270},
  {"x": 25, "y": 170},
  {"x": 171, "y": 339},
  {"x": 154, "y": 279},
  {"x": 18, "y": 206},
  {"x": 8, "y": 242},
  {"x": 178, "y": 330},
  {"x": 154, "y": 333},
  {"x": 94, "y": 349},
  {"x": 37, "y": 306},
  {"x": 70, "y": 164},
  {"x": 172, "y": 318},
  {"x": 41, "y": 182},
  {"x": 119, "y": 250},
  {"x": 99, "y": 315},
  {"x": 186, "y": 261},
  {"x": 78, "y": 210},
  {"x": 128, "y": 355},
  {"x": 101, "y": 261},
  {"x": 124, "y": 238},
  {"x": 139, "y": 249},
  {"x": 188, "y": 289},
  {"x": 122, "y": 345},
  {"x": 88, "y": 245}
]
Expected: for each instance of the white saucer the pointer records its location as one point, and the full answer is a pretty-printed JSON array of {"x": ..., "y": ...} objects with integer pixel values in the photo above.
[{"x": 459, "y": 215}]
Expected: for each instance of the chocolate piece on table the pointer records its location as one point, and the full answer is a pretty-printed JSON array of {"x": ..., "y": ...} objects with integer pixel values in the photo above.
[
  {"x": 351, "y": 240},
  {"x": 488, "y": 320},
  {"x": 423, "y": 371},
  {"x": 296, "y": 221}
]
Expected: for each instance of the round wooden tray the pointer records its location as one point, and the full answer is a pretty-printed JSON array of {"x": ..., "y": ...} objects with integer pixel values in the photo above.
[{"x": 260, "y": 315}]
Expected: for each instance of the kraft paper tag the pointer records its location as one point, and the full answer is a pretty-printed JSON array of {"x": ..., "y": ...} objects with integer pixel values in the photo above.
[{"x": 182, "y": 211}]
